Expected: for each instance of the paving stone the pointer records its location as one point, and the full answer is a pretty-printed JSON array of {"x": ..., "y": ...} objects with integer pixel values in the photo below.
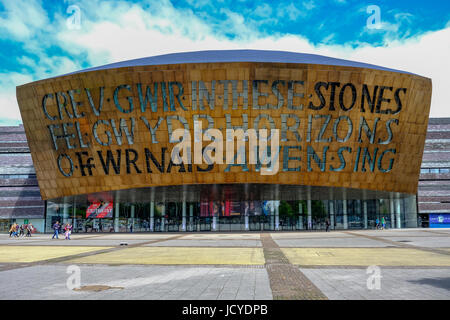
[
  {"x": 139, "y": 282},
  {"x": 286, "y": 281},
  {"x": 273, "y": 277},
  {"x": 401, "y": 283}
]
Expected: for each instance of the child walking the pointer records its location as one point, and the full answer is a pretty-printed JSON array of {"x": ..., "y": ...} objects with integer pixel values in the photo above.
[{"x": 68, "y": 230}]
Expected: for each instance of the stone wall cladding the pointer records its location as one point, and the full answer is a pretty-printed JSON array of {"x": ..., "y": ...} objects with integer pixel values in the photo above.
[
  {"x": 409, "y": 135},
  {"x": 19, "y": 190},
  {"x": 434, "y": 188}
]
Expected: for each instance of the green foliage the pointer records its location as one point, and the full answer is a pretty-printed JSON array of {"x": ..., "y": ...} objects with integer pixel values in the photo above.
[
  {"x": 285, "y": 209},
  {"x": 297, "y": 204},
  {"x": 157, "y": 213},
  {"x": 318, "y": 209}
]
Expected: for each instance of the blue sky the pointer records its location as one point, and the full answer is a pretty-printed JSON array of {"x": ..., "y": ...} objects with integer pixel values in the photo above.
[{"x": 38, "y": 41}]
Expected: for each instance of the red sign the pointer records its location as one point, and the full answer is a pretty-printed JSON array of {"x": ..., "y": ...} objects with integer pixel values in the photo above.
[{"x": 100, "y": 210}]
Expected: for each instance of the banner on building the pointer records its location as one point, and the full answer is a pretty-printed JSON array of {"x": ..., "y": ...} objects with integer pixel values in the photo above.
[
  {"x": 100, "y": 210},
  {"x": 440, "y": 220}
]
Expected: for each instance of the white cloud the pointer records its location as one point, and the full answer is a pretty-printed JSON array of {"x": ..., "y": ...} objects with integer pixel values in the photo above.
[
  {"x": 120, "y": 31},
  {"x": 22, "y": 18},
  {"x": 427, "y": 56},
  {"x": 308, "y": 5},
  {"x": 9, "y": 111},
  {"x": 291, "y": 12},
  {"x": 263, "y": 11}
]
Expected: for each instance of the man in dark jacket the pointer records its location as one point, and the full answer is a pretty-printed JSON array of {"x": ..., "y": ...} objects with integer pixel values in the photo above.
[{"x": 56, "y": 229}]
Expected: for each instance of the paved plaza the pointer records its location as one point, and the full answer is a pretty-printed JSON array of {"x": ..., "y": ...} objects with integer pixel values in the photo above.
[{"x": 370, "y": 264}]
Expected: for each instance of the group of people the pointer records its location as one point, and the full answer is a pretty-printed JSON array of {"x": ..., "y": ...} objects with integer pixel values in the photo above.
[
  {"x": 57, "y": 229},
  {"x": 17, "y": 230},
  {"x": 381, "y": 226}
]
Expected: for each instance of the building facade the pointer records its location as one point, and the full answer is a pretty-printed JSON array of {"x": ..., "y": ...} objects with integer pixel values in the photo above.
[
  {"x": 20, "y": 199},
  {"x": 145, "y": 144},
  {"x": 434, "y": 182}
]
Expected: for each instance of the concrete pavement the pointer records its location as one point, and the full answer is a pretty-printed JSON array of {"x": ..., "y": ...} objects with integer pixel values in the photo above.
[{"x": 413, "y": 264}]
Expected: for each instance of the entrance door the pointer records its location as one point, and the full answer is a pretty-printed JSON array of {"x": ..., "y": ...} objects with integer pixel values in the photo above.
[
  {"x": 205, "y": 223},
  {"x": 268, "y": 222},
  {"x": 173, "y": 225},
  {"x": 254, "y": 223},
  {"x": 424, "y": 221}
]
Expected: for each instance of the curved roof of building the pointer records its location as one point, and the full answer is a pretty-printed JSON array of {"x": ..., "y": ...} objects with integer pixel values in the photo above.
[{"x": 211, "y": 56}]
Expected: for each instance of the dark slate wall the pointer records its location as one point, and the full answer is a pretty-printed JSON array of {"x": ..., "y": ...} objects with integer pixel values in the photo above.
[
  {"x": 434, "y": 182},
  {"x": 19, "y": 191}
]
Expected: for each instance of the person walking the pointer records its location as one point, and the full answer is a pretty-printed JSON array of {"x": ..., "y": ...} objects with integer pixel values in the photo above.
[
  {"x": 327, "y": 223},
  {"x": 29, "y": 229},
  {"x": 56, "y": 230},
  {"x": 377, "y": 223},
  {"x": 68, "y": 230},
  {"x": 131, "y": 227},
  {"x": 12, "y": 230},
  {"x": 21, "y": 230},
  {"x": 383, "y": 223}
]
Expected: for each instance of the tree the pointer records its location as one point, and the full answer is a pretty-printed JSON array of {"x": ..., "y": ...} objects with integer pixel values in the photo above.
[
  {"x": 285, "y": 209},
  {"x": 296, "y": 205},
  {"x": 318, "y": 209}
]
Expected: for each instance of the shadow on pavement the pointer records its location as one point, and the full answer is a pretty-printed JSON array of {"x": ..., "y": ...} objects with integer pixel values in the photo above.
[{"x": 443, "y": 283}]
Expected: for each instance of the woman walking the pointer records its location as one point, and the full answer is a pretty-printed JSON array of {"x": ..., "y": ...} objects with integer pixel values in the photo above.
[{"x": 12, "y": 230}]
